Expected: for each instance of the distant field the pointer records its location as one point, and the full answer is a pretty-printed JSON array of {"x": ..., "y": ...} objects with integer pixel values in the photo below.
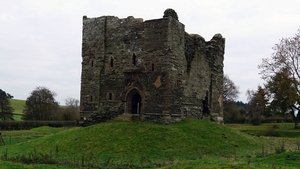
[
  {"x": 268, "y": 129},
  {"x": 18, "y": 106}
]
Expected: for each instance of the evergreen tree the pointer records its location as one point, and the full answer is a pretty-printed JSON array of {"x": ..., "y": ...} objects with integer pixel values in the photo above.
[{"x": 6, "y": 111}]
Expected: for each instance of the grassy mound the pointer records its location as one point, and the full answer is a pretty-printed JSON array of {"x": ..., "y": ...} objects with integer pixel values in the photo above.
[{"x": 137, "y": 143}]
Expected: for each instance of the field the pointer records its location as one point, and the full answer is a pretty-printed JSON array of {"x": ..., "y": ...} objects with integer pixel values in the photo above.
[
  {"x": 119, "y": 144},
  {"x": 268, "y": 129},
  {"x": 18, "y": 106}
]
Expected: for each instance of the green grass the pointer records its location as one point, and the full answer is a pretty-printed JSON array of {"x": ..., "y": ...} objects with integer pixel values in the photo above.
[
  {"x": 210, "y": 163},
  {"x": 139, "y": 142},
  {"x": 269, "y": 129},
  {"x": 288, "y": 160},
  {"x": 13, "y": 165},
  {"x": 17, "y": 136},
  {"x": 119, "y": 144},
  {"x": 18, "y": 106}
]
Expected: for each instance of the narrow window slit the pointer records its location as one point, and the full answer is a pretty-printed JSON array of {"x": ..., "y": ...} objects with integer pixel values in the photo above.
[{"x": 111, "y": 62}]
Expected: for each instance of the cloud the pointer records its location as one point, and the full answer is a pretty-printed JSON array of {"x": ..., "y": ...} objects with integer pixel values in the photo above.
[{"x": 41, "y": 40}]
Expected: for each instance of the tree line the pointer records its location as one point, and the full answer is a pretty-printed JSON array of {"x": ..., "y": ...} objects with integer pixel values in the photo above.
[
  {"x": 40, "y": 105},
  {"x": 279, "y": 96}
]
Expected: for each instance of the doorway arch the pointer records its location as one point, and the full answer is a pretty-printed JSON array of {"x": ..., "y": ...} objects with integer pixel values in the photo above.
[{"x": 134, "y": 102}]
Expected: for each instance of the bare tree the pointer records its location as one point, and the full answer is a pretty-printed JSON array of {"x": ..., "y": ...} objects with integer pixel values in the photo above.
[
  {"x": 71, "y": 110},
  {"x": 230, "y": 90},
  {"x": 286, "y": 57},
  {"x": 71, "y": 102},
  {"x": 232, "y": 113}
]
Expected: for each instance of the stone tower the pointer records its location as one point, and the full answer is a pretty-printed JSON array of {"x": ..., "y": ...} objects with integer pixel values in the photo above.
[{"x": 152, "y": 70}]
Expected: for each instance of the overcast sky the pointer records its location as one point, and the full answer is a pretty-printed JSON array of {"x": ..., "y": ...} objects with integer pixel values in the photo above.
[{"x": 40, "y": 40}]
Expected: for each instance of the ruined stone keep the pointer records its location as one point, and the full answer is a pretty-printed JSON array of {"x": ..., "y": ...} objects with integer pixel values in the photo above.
[{"x": 152, "y": 70}]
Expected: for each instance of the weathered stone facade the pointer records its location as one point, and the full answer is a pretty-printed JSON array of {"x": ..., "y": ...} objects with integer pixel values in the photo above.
[{"x": 151, "y": 69}]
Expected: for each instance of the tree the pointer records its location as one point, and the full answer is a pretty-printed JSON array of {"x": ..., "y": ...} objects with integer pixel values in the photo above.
[
  {"x": 286, "y": 57},
  {"x": 40, "y": 105},
  {"x": 235, "y": 112},
  {"x": 232, "y": 113},
  {"x": 71, "y": 110},
  {"x": 257, "y": 104},
  {"x": 6, "y": 111},
  {"x": 71, "y": 102},
  {"x": 284, "y": 94},
  {"x": 230, "y": 90}
]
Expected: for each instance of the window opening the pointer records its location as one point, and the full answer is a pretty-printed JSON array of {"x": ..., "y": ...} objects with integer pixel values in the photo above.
[
  {"x": 152, "y": 67},
  {"x": 111, "y": 62},
  {"x": 134, "y": 59},
  {"x": 92, "y": 63},
  {"x": 109, "y": 96}
]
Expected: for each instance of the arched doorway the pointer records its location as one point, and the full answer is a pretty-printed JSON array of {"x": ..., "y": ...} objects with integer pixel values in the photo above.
[{"x": 134, "y": 102}]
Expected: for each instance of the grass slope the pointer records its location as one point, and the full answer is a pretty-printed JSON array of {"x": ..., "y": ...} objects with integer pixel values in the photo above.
[
  {"x": 140, "y": 143},
  {"x": 17, "y": 136},
  {"x": 18, "y": 106},
  {"x": 117, "y": 144},
  {"x": 11, "y": 165}
]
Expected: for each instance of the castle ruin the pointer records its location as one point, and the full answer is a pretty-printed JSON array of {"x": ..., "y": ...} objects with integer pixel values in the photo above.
[{"x": 152, "y": 70}]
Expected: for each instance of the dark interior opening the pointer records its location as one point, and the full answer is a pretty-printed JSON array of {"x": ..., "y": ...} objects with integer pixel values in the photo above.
[
  {"x": 134, "y": 59},
  {"x": 111, "y": 62},
  {"x": 136, "y": 103},
  {"x": 92, "y": 63}
]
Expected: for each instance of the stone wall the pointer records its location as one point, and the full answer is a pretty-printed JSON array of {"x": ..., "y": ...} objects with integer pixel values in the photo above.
[
  {"x": 204, "y": 76},
  {"x": 153, "y": 69},
  {"x": 197, "y": 77}
]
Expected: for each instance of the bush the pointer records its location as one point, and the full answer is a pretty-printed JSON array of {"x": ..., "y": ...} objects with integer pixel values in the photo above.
[{"x": 271, "y": 132}]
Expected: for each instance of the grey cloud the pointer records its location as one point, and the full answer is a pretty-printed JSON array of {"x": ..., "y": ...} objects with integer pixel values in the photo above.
[{"x": 40, "y": 41}]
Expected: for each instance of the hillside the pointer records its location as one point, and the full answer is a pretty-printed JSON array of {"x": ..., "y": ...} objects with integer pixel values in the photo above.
[
  {"x": 18, "y": 106},
  {"x": 119, "y": 144},
  {"x": 139, "y": 143}
]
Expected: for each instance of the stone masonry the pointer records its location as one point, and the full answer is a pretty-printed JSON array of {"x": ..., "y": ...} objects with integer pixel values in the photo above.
[{"x": 151, "y": 70}]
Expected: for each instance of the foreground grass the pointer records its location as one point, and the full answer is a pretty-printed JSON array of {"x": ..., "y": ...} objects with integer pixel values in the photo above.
[
  {"x": 289, "y": 160},
  {"x": 283, "y": 160},
  {"x": 138, "y": 143},
  {"x": 13, "y": 165},
  {"x": 117, "y": 144}
]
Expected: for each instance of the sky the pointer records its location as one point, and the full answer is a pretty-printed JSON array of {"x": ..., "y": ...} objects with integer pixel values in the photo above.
[{"x": 40, "y": 40}]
